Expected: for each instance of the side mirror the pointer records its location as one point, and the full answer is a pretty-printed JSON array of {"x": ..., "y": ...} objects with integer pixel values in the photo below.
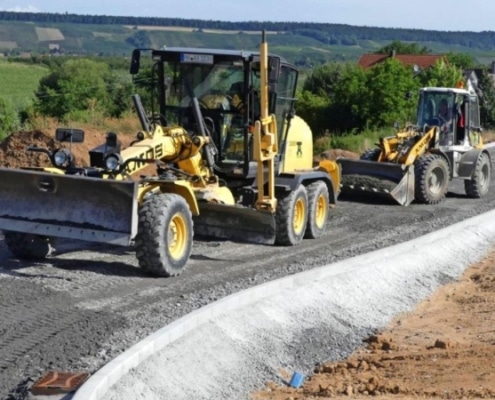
[{"x": 69, "y": 135}]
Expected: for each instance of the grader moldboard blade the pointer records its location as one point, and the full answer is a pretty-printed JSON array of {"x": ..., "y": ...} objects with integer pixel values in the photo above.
[
  {"x": 236, "y": 223},
  {"x": 388, "y": 180},
  {"x": 68, "y": 206}
]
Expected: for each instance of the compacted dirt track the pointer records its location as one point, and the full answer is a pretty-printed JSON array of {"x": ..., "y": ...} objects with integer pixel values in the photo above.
[{"x": 88, "y": 303}]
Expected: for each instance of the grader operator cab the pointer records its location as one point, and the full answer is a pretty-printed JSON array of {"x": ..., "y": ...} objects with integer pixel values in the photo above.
[
  {"x": 232, "y": 161},
  {"x": 418, "y": 162}
]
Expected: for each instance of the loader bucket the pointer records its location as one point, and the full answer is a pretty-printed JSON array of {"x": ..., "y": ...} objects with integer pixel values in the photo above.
[
  {"x": 68, "y": 206},
  {"x": 236, "y": 223},
  {"x": 389, "y": 180}
]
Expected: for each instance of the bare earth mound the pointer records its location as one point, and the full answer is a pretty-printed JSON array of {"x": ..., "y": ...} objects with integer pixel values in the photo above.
[
  {"x": 444, "y": 349},
  {"x": 333, "y": 154},
  {"x": 13, "y": 152}
]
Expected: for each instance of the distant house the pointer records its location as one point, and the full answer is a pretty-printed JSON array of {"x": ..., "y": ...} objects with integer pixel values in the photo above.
[
  {"x": 473, "y": 75},
  {"x": 423, "y": 61},
  {"x": 426, "y": 61}
]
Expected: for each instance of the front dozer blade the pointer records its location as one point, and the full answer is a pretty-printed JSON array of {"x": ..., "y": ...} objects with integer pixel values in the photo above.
[
  {"x": 384, "y": 179},
  {"x": 68, "y": 206},
  {"x": 236, "y": 223}
]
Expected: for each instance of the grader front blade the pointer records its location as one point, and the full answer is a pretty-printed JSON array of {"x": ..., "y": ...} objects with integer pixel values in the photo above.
[
  {"x": 383, "y": 179},
  {"x": 68, "y": 206}
]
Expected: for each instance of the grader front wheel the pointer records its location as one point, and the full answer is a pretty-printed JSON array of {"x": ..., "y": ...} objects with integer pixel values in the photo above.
[{"x": 165, "y": 235}]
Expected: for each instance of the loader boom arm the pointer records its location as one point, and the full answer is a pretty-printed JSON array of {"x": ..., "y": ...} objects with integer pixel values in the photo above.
[{"x": 420, "y": 147}]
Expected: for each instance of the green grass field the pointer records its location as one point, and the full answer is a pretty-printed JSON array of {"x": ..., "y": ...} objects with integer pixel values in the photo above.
[{"x": 18, "y": 82}]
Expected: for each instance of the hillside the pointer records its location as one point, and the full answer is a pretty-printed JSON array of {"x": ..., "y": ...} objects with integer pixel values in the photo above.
[{"x": 304, "y": 44}]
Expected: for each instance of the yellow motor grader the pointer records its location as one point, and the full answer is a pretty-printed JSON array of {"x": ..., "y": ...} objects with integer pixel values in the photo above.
[
  {"x": 231, "y": 160},
  {"x": 418, "y": 162}
]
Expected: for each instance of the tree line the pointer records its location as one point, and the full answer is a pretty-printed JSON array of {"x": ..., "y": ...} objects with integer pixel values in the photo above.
[
  {"x": 326, "y": 33},
  {"x": 343, "y": 98},
  {"x": 336, "y": 98}
]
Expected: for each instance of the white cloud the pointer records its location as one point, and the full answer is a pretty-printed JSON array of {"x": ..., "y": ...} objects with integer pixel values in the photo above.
[{"x": 22, "y": 9}]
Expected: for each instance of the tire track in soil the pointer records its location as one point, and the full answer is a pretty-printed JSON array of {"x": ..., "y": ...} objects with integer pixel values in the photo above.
[
  {"x": 26, "y": 324},
  {"x": 46, "y": 331}
]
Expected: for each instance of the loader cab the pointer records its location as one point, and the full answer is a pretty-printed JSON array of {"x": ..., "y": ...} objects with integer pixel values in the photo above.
[
  {"x": 227, "y": 86},
  {"x": 454, "y": 111}
]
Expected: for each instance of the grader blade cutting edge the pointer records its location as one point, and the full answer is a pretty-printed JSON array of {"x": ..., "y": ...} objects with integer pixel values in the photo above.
[
  {"x": 389, "y": 180},
  {"x": 68, "y": 206},
  {"x": 236, "y": 223}
]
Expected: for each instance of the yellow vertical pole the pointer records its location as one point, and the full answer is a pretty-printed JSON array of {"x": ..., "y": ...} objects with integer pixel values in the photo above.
[{"x": 265, "y": 138}]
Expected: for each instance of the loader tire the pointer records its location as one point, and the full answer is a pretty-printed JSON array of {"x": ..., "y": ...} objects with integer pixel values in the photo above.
[
  {"x": 291, "y": 217},
  {"x": 165, "y": 234},
  {"x": 318, "y": 207},
  {"x": 27, "y": 246},
  {"x": 432, "y": 179},
  {"x": 479, "y": 184},
  {"x": 370, "y": 155}
]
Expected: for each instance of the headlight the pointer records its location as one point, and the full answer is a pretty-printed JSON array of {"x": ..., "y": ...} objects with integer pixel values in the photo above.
[
  {"x": 113, "y": 162},
  {"x": 62, "y": 157}
]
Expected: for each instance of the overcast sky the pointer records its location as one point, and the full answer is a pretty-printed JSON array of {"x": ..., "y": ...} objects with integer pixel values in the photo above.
[{"x": 442, "y": 15}]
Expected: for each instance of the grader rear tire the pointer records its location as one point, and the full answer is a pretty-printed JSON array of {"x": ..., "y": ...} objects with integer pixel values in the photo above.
[
  {"x": 27, "y": 246},
  {"x": 478, "y": 186},
  {"x": 291, "y": 217},
  {"x": 165, "y": 235},
  {"x": 432, "y": 179},
  {"x": 318, "y": 203}
]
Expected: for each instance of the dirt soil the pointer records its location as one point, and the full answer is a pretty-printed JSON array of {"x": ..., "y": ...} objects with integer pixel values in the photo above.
[
  {"x": 13, "y": 152},
  {"x": 333, "y": 154},
  {"x": 445, "y": 348}
]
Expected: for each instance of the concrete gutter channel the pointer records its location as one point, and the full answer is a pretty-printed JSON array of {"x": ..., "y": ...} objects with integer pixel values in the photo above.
[{"x": 230, "y": 347}]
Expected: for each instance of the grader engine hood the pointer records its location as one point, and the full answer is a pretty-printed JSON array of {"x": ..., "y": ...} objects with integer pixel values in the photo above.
[{"x": 68, "y": 206}]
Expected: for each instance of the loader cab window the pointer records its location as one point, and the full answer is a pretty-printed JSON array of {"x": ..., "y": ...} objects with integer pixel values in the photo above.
[
  {"x": 438, "y": 109},
  {"x": 460, "y": 119},
  {"x": 473, "y": 123},
  {"x": 474, "y": 114}
]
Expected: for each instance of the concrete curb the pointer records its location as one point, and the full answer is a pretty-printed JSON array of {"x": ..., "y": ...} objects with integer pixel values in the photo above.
[{"x": 468, "y": 241}]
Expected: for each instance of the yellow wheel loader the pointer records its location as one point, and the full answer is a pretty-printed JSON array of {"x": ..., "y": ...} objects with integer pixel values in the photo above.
[
  {"x": 231, "y": 160},
  {"x": 419, "y": 161}
]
